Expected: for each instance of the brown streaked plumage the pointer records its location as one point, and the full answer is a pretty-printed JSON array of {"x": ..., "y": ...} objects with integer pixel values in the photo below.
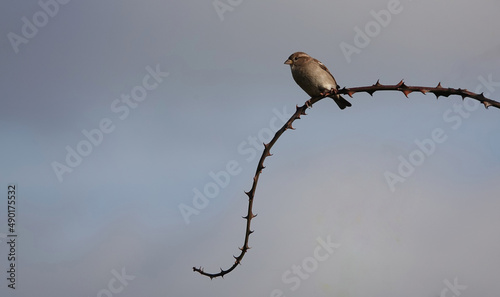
[{"x": 313, "y": 77}]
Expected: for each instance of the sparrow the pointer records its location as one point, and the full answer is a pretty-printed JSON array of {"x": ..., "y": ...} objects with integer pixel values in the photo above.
[{"x": 314, "y": 78}]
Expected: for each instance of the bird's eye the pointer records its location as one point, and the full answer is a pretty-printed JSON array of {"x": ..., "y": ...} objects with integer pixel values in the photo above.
[{"x": 296, "y": 58}]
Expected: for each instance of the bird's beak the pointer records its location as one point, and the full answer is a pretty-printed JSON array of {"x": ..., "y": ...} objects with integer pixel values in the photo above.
[{"x": 288, "y": 62}]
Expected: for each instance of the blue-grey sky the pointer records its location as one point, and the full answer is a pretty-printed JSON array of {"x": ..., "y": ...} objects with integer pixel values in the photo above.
[{"x": 115, "y": 114}]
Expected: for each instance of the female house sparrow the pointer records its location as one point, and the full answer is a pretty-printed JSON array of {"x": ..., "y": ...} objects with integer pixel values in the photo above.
[{"x": 313, "y": 77}]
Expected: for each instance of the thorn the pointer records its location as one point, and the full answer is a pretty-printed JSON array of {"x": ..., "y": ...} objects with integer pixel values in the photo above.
[
  {"x": 269, "y": 154},
  {"x": 406, "y": 92},
  {"x": 486, "y": 104},
  {"x": 250, "y": 232},
  {"x": 439, "y": 86},
  {"x": 297, "y": 108},
  {"x": 424, "y": 91},
  {"x": 265, "y": 145},
  {"x": 249, "y": 193},
  {"x": 400, "y": 84},
  {"x": 350, "y": 93},
  {"x": 377, "y": 83},
  {"x": 371, "y": 92},
  {"x": 289, "y": 126}
]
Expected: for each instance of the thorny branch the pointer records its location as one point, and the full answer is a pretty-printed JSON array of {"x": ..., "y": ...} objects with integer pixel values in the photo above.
[
  {"x": 438, "y": 91},
  {"x": 401, "y": 86}
]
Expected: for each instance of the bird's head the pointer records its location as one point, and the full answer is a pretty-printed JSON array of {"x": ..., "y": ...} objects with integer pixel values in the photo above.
[{"x": 297, "y": 57}]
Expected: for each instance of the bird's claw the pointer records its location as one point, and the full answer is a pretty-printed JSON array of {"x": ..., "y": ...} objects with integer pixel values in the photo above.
[
  {"x": 330, "y": 92},
  {"x": 308, "y": 103}
]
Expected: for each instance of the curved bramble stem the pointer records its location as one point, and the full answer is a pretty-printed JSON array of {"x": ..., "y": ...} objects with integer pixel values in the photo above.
[
  {"x": 401, "y": 87},
  {"x": 250, "y": 215}
]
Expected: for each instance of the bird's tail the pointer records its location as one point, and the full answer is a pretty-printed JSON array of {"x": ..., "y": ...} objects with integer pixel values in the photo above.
[{"x": 341, "y": 102}]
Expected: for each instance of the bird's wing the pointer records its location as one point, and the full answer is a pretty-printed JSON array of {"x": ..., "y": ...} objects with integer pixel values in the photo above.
[{"x": 324, "y": 68}]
